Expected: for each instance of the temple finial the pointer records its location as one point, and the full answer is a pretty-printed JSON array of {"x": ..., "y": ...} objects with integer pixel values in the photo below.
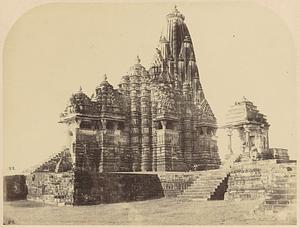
[
  {"x": 175, "y": 13},
  {"x": 104, "y": 77},
  {"x": 138, "y": 60},
  {"x": 80, "y": 89},
  {"x": 176, "y": 9}
]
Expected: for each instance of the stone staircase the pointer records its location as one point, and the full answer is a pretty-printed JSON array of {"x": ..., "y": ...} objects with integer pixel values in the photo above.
[
  {"x": 210, "y": 184},
  {"x": 206, "y": 185},
  {"x": 57, "y": 162}
]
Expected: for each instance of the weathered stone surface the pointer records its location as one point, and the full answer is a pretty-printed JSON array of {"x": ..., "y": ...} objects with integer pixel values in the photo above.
[{"x": 272, "y": 182}]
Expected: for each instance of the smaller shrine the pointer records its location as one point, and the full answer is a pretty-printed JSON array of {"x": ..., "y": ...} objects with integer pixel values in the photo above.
[{"x": 248, "y": 134}]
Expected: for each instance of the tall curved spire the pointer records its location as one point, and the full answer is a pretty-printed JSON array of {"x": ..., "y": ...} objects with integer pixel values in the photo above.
[
  {"x": 176, "y": 31},
  {"x": 175, "y": 54}
]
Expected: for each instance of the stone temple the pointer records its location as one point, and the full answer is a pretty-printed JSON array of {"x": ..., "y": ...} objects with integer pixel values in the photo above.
[
  {"x": 157, "y": 120},
  {"x": 154, "y": 136}
]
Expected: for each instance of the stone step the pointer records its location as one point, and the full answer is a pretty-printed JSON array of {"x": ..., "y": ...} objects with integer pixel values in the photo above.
[
  {"x": 204, "y": 186},
  {"x": 280, "y": 176},
  {"x": 206, "y": 183},
  {"x": 220, "y": 173},
  {"x": 213, "y": 172},
  {"x": 200, "y": 189},
  {"x": 281, "y": 196},
  {"x": 285, "y": 185},
  {"x": 279, "y": 207},
  {"x": 279, "y": 201},
  {"x": 216, "y": 172},
  {"x": 192, "y": 191},
  {"x": 284, "y": 179},
  {"x": 199, "y": 199},
  {"x": 211, "y": 178},
  {"x": 283, "y": 191},
  {"x": 195, "y": 196},
  {"x": 206, "y": 180},
  {"x": 198, "y": 193},
  {"x": 284, "y": 173}
]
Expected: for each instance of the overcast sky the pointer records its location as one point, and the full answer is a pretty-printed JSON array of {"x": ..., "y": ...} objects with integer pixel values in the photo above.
[{"x": 242, "y": 49}]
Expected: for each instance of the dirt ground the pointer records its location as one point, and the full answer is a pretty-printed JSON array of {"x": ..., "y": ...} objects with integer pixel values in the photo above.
[{"x": 151, "y": 212}]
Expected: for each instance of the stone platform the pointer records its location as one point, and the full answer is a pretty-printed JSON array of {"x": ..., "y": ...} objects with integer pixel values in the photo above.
[
  {"x": 272, "y": 182},
  {"x": 83, "y": 188}
]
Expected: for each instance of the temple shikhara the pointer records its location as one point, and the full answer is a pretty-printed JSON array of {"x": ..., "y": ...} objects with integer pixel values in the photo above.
[
  {"x": 155, "y": 136},
  {"x": 157, "y": 120}
]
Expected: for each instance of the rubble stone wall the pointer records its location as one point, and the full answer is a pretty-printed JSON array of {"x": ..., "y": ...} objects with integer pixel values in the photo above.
[
  {"x": 261, "y": 180},
  {"x": 52, "y": 188}
]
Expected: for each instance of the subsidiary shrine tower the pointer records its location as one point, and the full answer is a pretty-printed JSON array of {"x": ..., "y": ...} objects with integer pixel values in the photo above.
[{"x": 157, "y": 120}]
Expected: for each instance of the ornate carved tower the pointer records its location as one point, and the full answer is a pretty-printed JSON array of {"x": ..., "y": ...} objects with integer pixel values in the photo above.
[
  {"x": 157, "y": 120},
  {"x": 175, "y": 69}
]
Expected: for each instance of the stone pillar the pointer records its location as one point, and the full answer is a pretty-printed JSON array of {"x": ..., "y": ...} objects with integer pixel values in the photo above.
[
  {"x": 160, "y": 151},
  {"x": 104, "y": 122},
  {"x": 187, "y": 142},
  {"x": 267, "y": 138},
  {"x": 135, "y": 122},
  {"x": 247, "y": 141},
  {"x": 73, "y": 128},
  {"x": 154, "y": 132},
  {"x": 187, "y": 131},
  {"x": 205, "y": 153},
  {"x": 164, "y": 124},
  {"x": 115, "y": 126},
  {"x": 229, "y": 133},
  {"x": 103, "y": 101},
  {"x": 103, "y": 147},
  {"x": 145, "y": 125},
  {"x": 103, "y": 150}
]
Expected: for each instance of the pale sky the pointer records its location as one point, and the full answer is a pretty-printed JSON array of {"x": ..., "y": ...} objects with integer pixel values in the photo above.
[{"x": 242, "y": 49}]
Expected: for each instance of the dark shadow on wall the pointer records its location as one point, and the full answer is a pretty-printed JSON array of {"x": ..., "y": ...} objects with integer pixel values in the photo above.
[
  {"x": 96, "y": 188},
  {"x": 14, "y": 188},
  {"x": 221, "y": 189}
]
